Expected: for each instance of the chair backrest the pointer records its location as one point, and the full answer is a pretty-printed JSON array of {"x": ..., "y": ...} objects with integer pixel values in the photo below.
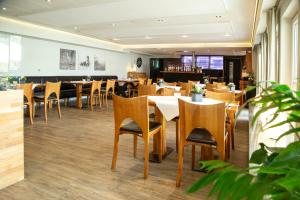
[
  {"x": 110, "y": 84},
  {"x": 167, "y": 92},
  {"x": 221, "y": 89},
  {"x": 210, "y": 87},
  {"x": 219, "y": 84},
  {"x": 186, "y": 87},
  {"x": 52, "y": 88},
  {"x": 227, "y": 97},
  {"x": 96, "y": 86},
  {"x": 27, "y": 89},
  {"x": 149, "y": 81},
  {"x": 170, "y": 84},
  {"x": 135, "y": 108},
  {"x": 210, "y": 117},
  {"x": 141, "y": 81},
  {"x": 146, "y": 90}
]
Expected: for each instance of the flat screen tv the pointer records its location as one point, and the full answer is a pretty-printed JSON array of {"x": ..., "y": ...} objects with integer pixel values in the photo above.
[{"x": 216, "y": 62}]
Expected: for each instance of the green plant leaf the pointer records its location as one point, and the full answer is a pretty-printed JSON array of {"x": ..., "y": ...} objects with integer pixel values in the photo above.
[{"x": 260, "y": 155}]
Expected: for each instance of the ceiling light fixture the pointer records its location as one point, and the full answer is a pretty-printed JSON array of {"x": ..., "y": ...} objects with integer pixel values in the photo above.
[
  {"x": 48, "y": 1},
  {"x": 75, "y": 28},
  {"x": 184, "y": 36},
  {"x": 116, "y": 39},
  {"x": 3, "y": 8},
  {"x": 227, "y": 35},
  {"x": 148, "y": 37}
]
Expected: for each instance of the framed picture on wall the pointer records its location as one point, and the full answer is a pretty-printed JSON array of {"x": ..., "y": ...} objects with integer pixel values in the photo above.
[
  {"x": 85, "y": 61},
  {"x": 99, "y": 63},
  {"x": 67, "y": 59}
]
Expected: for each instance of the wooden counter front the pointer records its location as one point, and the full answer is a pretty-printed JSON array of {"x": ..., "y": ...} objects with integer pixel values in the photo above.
[{"x": 11, "y": 137}]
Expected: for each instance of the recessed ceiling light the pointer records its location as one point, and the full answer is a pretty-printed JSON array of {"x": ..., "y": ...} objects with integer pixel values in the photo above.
[
  {"x": 148, "y": 37},
  {"x": 184, "y": 36},
  {"x": 227, "y": 35},
  {"x": 116, "y": 39},
  {"x": 48, "y": 1},
  {"x": 75, "y": 28},
  {"x": 3, "y": 8}
]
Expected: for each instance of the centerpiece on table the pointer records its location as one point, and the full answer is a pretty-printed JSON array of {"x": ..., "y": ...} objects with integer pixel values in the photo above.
[
  {"x": 197, "y": 94},
  {"x": 231, "y": 87},
  {"x": 160, "y": 82}
]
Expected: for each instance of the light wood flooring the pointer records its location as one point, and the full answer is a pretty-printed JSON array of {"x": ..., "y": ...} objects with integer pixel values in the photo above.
[{"x": 70, "y": 158}]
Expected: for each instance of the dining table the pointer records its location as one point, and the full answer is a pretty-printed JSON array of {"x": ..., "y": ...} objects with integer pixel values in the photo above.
[
  {"x": 79, "y": 86},
  {"x": 166, "y": 109}
]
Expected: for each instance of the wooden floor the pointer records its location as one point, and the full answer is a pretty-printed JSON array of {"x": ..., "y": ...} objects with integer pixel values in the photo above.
[{"x": 70, "y": 158}]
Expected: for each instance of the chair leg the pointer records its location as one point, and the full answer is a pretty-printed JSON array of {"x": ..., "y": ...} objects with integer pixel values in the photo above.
[
  {"x": 177, "y": 134},
  {"x": 106, "y": 99},
  {"x": 45, "y": 110},
  {"x": 135, "y": 138},
  {"x": 115, "y": 153},
  {"x": 193, "y": 156},
  {"x": 58, "y": 108},
  {"x": 99, "y": 99},
  {"x": 180, "y": 163},
  {"x": 92, "y": 102},
  {"x": 66, "y": 102},
  {"x": 146, "y": 157},
  {"x": 33, "y": 109},
  {"x": 30, "y": 113}
]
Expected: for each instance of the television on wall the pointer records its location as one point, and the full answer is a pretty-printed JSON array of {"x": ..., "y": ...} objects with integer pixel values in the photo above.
[{"x": 216, "y": 62}]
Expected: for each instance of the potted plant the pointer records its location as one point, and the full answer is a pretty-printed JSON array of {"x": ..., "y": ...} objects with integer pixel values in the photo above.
[
  {"x": 231, "y": 86},
  {"x": 206, "y": 81},
  {"x": 160, "y": 82},
  {"x": 277, "y": 171},
  {"x": 197, "y": 94}
]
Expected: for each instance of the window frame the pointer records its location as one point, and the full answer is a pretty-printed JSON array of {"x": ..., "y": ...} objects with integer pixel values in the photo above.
[{"x": 295, "y": 51}]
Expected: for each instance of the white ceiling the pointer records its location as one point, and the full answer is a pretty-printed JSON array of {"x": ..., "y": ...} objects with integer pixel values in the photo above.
[{"x": 139, "y": 22}]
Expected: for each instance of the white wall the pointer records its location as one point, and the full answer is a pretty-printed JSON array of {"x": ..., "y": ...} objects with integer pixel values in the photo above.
[{"x": 41, "y": 51}]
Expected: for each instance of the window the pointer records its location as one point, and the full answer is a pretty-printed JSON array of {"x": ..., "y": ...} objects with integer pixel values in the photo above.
[
  {"x": 202, "y": 61},
  {"x": 187, "y": 61},
  {"x": 295, "y": 53},
  {"x": 216, "y": 62},
  {"x": 11, "y": 52}
]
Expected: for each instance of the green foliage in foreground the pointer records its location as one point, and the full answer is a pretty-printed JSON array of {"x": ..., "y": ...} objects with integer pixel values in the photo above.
[{"x": 276, "y": 174}]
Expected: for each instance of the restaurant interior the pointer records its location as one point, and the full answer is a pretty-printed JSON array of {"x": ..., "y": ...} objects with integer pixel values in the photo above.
[{"x": 160, "y": 99}]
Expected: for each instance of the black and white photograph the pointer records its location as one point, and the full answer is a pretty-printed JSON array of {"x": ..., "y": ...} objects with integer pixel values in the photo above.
[
  {"x": 99, "y": 64},
  {"x": 67, "y": 59},
  {"x": 84, "y": 61}
]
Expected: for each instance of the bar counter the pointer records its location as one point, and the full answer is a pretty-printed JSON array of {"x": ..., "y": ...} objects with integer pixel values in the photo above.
[
  {"x": 11, "y": 137},
  {"x": 173, "y": 76}
]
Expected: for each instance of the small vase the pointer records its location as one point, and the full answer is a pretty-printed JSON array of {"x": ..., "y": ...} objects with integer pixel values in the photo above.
[
  {"x": 232, "y": 88},
  {"x": 197, "y": 97}
]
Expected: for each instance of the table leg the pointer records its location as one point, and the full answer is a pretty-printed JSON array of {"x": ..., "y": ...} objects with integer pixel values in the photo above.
[
  {"x": 165, "y": 150},
  {"x": 79, "y": 96}
]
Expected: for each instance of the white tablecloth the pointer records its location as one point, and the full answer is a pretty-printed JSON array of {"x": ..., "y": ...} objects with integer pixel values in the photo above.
[
  {"x": 168, "y": 105},
  {"x": 176, "y": 88}
]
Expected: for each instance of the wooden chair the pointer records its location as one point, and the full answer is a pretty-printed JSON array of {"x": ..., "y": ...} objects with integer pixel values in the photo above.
[
  {"x": 170, "y": 84},
  {"x": 134, "y": 90},
  {"x": 28, "y": 100},
  {"x": 185, "y": 88},
  {"x": 48, "y": 97},
  {"x": 219, "y": 84},
  {"x": 146, "y": 90},
  {"x": 109, "y": 89},
  {"x": 136, "y": 109},
  {"x": 210, "y": 87},
  {"x": 149, "y": 81},
  {"x": 166, "y": 92},
  {"x": 227, "y": 97},
  {"x": 203, "y": 125},
  {"x": 93, "y": 93}
]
